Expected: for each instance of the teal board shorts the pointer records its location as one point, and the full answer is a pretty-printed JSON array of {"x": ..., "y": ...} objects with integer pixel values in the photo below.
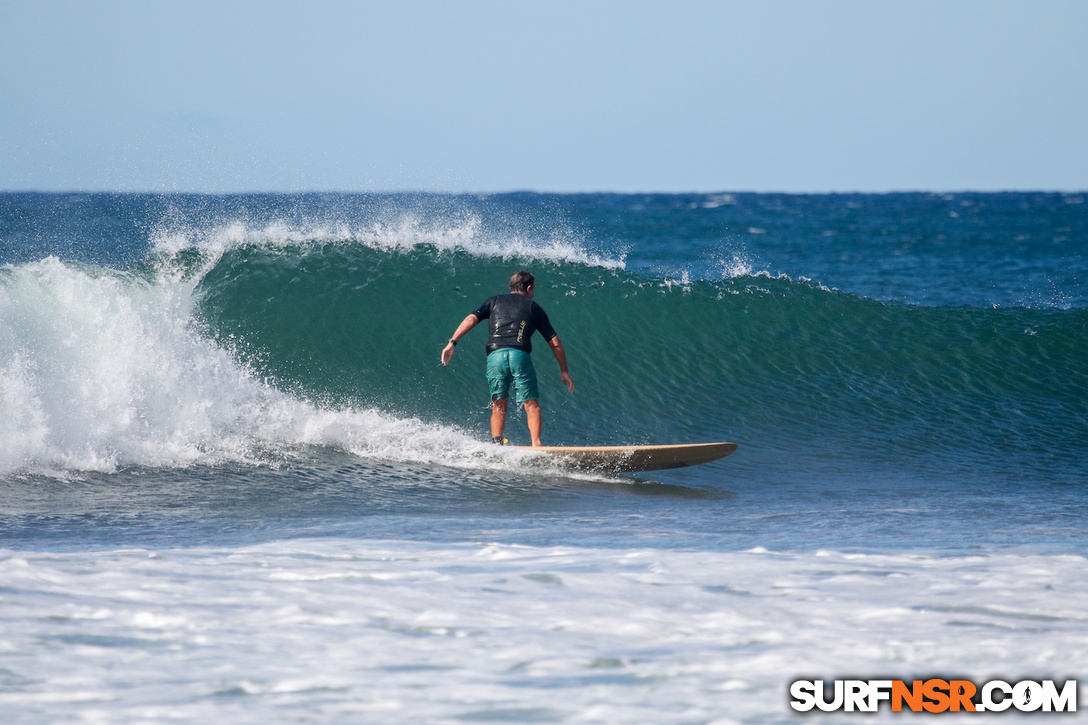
[{"x": 508, "y": 367}]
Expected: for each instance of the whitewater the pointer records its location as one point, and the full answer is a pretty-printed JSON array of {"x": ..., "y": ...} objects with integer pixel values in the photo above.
[{"x": 236, "y": 485}]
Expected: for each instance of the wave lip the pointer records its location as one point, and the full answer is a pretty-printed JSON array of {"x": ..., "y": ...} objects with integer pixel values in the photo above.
[{"x": 404, "y": 234}]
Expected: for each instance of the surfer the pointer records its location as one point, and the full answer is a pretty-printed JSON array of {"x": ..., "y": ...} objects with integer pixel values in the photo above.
[{"x": 512, "y": 319}]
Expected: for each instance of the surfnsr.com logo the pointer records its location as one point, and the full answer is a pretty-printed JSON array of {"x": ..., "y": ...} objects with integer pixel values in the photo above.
[{"x": 934, "y": 695}]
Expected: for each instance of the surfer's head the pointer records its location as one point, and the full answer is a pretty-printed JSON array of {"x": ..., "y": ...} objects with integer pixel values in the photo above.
[{"x": 521, "y": 281}]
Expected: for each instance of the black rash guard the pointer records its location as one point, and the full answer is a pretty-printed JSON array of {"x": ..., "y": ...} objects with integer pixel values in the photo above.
[{"x": 513, "y": 319}]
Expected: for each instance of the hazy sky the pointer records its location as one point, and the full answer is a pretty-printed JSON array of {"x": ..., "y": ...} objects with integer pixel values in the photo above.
[{"x": 814, "y": 95}]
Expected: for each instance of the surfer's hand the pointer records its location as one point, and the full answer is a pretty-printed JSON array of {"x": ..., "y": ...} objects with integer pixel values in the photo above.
[
  {"x": 447, "y": 353},
  {"x": 568, "y": 381}
]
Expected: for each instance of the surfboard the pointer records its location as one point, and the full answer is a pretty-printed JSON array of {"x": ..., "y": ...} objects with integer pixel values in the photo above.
[{"x": 633, "y": 459}]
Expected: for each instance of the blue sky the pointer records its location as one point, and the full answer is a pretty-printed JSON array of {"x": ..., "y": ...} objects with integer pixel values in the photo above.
[{"x": 838, "y": 95}]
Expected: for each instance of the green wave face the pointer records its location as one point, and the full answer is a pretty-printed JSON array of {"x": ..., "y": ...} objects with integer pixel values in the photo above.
[{"x": 767, "y": 359}]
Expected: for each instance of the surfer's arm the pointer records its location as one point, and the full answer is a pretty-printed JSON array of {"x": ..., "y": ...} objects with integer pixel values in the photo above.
[
  {"x": 561, "y": 358},
  {"x": 466, "y": 324}
]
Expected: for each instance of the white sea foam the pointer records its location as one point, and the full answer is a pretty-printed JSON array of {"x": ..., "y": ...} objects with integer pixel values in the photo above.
[
  {"x": 100, "y": 370},
  {"x": 339, "y": 630}
]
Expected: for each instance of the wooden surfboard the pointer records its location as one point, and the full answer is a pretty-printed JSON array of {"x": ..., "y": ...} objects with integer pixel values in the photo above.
[{"x": 631, "y": 459}]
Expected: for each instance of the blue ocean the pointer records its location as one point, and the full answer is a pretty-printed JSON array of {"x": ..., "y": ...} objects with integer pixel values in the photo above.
[{"x": 236, "y": 485}]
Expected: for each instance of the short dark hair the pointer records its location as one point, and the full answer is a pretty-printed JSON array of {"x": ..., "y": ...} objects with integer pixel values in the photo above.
[{"x": 521, "y": 281}]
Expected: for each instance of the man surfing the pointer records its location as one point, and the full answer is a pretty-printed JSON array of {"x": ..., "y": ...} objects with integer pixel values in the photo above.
[{"x": 512, "y": 320}]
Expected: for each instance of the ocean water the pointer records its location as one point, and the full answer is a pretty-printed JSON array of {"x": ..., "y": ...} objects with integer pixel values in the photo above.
[{"x": 237, "y": 486}]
